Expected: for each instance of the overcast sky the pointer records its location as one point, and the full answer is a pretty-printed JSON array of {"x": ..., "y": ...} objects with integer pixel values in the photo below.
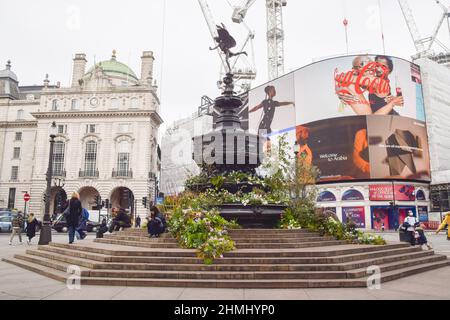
[{"x": 42, "y": 37}]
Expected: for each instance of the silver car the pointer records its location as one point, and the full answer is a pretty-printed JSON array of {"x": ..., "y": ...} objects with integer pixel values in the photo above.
[{"x": 5, "y": 223}]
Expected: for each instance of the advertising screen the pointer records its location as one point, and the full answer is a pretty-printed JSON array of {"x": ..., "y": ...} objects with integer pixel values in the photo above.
[{"x": 354, "y": 117}]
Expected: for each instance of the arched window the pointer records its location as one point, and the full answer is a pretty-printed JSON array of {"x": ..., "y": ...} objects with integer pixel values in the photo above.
[
  {"x": 352, "y": 195},
  {"x": 326, "y": 196},
  {"x": 123, "y": 158},
  {"x": 55, "y": 105},
  {"x": 58, "y": 158},
  {"x": 90, "y": 159},
  {"x": 420, "y": 195}
]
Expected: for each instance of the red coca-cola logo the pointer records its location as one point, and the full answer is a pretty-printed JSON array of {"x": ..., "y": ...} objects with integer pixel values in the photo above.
[{"x": 372, "y": 78}]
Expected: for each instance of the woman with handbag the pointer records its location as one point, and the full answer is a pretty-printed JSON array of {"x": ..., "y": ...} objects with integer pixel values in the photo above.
[{"x": 73, "y": 215}]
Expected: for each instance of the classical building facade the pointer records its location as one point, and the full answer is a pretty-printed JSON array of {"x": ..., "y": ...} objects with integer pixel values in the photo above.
[{"x": 106, "y": 142}]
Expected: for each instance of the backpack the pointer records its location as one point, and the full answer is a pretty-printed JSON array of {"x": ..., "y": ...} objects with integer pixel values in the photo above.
[{"x": 85, "y": 214}]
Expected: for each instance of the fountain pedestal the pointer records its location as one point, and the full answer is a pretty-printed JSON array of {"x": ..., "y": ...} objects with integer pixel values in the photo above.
[{"x": 229, "y": 148}]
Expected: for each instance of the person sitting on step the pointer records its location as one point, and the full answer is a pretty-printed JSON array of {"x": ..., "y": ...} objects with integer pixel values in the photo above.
[
  {"x": 121, "y": 221},
  {"x": 156, "y": 223}
]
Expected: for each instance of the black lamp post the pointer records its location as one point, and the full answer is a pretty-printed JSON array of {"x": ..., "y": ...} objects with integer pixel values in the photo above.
[{"x": 45, "y": 236}]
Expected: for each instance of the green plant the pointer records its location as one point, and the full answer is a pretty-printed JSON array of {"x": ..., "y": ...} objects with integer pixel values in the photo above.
[{"x": 205, "y": 231}]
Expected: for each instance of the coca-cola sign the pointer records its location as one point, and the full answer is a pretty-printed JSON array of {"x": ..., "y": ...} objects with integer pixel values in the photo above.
[{"x": 372, "y": 78}]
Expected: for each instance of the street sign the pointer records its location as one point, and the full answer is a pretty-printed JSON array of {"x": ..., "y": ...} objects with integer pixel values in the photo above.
[{"x": 26, "y": 197}]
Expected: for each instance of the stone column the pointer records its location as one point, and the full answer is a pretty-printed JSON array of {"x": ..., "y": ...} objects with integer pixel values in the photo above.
[
  {"x": 79, "y": 68},
  {"x": 147, "y": 67}
]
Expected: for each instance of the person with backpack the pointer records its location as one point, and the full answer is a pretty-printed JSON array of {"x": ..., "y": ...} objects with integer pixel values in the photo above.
[
  {"x": 156, "y": 223},
  {"x": 17, "y": 226},
  {"x": 73, "y": 215}
]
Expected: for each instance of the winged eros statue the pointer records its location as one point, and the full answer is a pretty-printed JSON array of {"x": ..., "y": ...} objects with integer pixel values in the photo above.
[{"x": 225, "y": 42}]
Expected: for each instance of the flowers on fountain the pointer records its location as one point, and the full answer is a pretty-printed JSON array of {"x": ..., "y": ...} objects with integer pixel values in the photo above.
[{"x": 204, "y": 230}]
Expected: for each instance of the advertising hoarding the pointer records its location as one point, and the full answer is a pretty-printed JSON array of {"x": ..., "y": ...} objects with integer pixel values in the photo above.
[
  {"x": 355, "y": 214},
  {"x": 384, "y": 192},
  {"x": 354, "y": 117}
]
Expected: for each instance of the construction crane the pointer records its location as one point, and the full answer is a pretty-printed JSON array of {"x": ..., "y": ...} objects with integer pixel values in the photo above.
[
  {"x": 275, "y": 37},
  {"x": 243, "y": 70},
  {"x": 275, "y": 33},
  {"x": 424, "y": 45}
]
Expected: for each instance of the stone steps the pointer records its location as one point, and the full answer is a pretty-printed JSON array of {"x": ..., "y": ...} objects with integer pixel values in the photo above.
[
  {"x": 224, "y": 283},
  {"x": 229, "y": 275},
  {"x": 150, "y": 244},
  {"x": 145, "y": 238},
  {"x": 264, "y": 259},
  {"x": 91, "y": 260}
]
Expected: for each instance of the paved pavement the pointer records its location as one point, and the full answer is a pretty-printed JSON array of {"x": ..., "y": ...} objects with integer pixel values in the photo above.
[{"x": 17, "y": 284}]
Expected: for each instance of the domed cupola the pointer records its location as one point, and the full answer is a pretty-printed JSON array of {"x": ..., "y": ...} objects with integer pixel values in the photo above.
[
  {"x": 9, "y": 85},
  {"x": 118, "y": 72}
]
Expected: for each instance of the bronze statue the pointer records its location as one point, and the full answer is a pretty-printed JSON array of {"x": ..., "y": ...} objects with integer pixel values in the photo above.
[{"x": 225, "y": 42}]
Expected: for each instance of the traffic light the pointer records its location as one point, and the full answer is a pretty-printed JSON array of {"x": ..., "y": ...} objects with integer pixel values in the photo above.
[
  {"x": 144, "y": 202},
  {"x": 98, "y": 200},
  {"x": 107, "y": 203},
  {"x": 45, "y": 198}
]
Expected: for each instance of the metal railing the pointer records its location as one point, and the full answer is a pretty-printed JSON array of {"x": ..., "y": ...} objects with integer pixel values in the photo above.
[
  {"x": 88, "y": 174},
  {"x": 122, "y": 173}
]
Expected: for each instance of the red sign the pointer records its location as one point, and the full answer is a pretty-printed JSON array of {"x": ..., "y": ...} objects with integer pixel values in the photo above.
[
  {"x": 26, "y": 197},
  {"x": 384, "y": 192}
]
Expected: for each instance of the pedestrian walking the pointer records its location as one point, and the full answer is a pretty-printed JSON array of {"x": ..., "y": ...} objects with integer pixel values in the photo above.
[
  {"x": 137, "y": 223},
  {"x": 410, "y": 224},
  {"x": 73, "y": 214},
  {"x": 32, "y": 224},
  {"x": 80, "y": 232},
  {"x": 445, "y": 222},
  {"x": 17, "y": 226}
]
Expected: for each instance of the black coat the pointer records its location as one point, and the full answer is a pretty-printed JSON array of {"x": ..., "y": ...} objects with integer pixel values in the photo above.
[
  {"x": 31, "y": 228},
  {"x": 74, "y": 216}
]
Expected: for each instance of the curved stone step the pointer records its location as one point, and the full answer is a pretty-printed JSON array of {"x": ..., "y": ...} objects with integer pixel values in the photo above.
[{"x": 292, "y": 283}]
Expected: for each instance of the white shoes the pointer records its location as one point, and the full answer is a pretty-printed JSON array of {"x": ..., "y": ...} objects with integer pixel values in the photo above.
[{"x": 10, "y": 243}]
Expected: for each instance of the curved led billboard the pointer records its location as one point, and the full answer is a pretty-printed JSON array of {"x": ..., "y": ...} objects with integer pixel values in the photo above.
[{"x": 354, "y": 117}]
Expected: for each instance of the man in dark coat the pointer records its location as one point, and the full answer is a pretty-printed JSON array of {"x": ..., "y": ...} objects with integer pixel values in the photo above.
[{"x": 122, "y": 220}]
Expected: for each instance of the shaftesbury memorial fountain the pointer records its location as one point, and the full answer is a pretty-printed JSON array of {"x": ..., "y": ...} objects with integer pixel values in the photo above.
[{"x": 230, "y": 149}]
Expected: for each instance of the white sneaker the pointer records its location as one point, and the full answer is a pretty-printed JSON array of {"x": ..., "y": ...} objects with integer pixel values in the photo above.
[{"x": 10, "y": 243}]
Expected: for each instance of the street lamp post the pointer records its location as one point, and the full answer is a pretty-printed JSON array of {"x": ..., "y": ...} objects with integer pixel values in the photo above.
[
  {"x": 45, "y": 236},
  {"x": 296, "y": 152}
]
